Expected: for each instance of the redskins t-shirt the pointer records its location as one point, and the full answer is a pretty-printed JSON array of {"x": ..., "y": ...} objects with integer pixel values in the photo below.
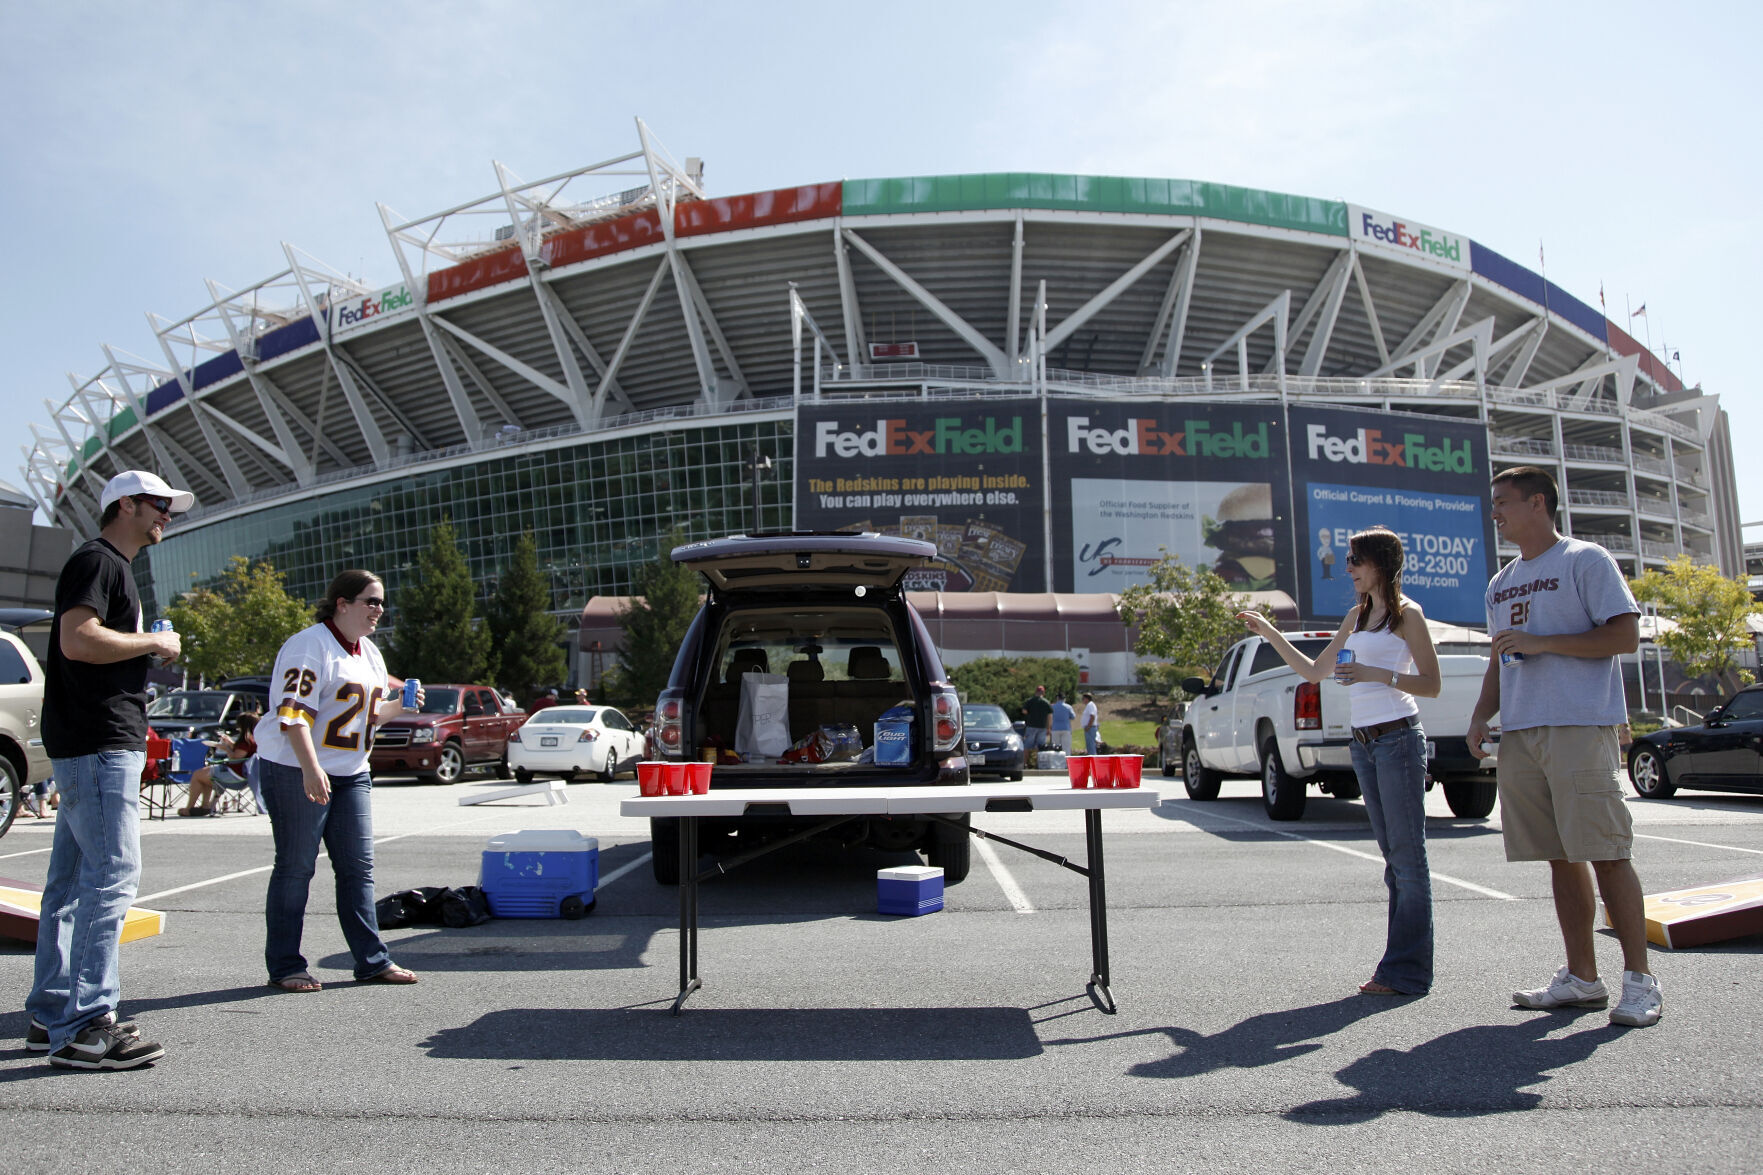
[
  {"x": 332, "y": 687},
  {"x": 1572, "y": 587}
]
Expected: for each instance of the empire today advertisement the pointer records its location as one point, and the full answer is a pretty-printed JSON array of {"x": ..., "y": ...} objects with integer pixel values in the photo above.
[
  {"x": 1424, "y": 477},
  {"x": 966, "y": 477}
]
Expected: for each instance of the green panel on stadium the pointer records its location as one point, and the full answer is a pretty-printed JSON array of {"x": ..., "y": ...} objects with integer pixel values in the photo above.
[{"x": 1093, "y": 193}]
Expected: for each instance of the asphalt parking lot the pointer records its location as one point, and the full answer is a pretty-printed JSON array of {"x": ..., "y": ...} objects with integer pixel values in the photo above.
[{"x": 828, "y": 1037}]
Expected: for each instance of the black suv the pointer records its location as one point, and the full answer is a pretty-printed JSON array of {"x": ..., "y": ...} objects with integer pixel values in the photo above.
[{"x": 828, "y": 614}]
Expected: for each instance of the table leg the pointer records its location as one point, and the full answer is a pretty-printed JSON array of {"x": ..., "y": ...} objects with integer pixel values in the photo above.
[
  {"x": 1098, "y": 985},
  {"x": 688, "y": 911}
]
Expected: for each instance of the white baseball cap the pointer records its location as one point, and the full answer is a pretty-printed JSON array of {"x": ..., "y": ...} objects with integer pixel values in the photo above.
[{"x": 138, "y": 481}]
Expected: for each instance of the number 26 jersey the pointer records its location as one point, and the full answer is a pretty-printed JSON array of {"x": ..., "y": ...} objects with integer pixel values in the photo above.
[{"x": 332, "y": 688}]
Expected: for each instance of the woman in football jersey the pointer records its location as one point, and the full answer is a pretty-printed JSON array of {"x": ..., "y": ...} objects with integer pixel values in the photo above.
[{"x": 328, "y": 691}]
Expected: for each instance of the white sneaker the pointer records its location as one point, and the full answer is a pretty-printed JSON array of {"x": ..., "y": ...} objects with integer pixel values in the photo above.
[
  {"x": 1641, "y": 1001},
  {"x": 1566, "y": 990}
]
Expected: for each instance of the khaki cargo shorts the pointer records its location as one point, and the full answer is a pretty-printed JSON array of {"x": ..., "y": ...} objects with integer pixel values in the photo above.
[{"x": 1561, "y": 795}]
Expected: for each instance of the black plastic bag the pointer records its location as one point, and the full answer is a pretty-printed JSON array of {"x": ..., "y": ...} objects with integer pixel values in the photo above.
[{"x": 433, "y": 905}]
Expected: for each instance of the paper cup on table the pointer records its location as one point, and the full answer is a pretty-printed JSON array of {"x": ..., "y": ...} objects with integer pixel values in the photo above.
[
  {"x": 649, "y": 778},
  {"x": 698, "y": 778},
  {"x": 1128, "y": 769},
  {"x": 674, "y": 779},
  {"x": 1078, "y": 767},
  {"x": 1102, "y": 769}
]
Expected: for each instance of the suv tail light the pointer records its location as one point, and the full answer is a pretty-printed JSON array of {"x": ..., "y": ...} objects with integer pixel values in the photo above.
[
  {"x": 670, "y": 713},
  {"x": 945, "y": 710},
  {"x": 1307, "y": 707}
]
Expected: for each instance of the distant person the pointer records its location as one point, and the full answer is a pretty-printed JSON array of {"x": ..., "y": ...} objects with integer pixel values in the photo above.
[
  {"x": 548, "y": 698},
  {"x": 1393, "y": 663},
  {"x": 581, "y": 697},
  {"x": 1564, "y": 605},
  {"x": 1061, "y": 728},
  {"x": 1037, "y": 720},
  {"x": 1091, "y": 724},
  {"x": 228, "y": 776},
  {"x": 95, "y": 730},
  {"x": 329, "y": 690}
]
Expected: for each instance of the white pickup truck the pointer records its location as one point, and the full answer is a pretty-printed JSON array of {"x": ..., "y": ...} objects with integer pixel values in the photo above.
[{"x": 1257, "y": 716}]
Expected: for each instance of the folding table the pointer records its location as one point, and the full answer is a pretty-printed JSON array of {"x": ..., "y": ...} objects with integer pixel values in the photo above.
[{"x": 834, "y": 805}]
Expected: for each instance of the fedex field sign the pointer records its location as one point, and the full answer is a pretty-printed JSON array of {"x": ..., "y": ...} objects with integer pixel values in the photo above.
[
  {"x": 1408, "y": 237},
  {"x": 1369, "y": 446},
  {"x": 1153, "y": 438},
  {"x": 358, "y": 312},
  {"x": 901, "y": 438}
]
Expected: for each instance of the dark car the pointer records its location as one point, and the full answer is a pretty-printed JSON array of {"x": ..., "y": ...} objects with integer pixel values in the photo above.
[
  {"x": 1724, "y": 753},
  {"x": 994, "y": 746},
  {"x": 200, "y": 713},
  {"x": 1169, "y": 749},
  {"x": 825, "y": 617}
]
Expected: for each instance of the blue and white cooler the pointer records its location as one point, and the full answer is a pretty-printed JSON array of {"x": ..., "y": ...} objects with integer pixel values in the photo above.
[
  {"x": 909, "y": 889},
  {"x": 541, "y": 873}
]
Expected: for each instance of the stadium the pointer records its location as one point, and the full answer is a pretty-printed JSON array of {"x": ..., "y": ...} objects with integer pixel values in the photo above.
[{"x": 1053, "y": 377}]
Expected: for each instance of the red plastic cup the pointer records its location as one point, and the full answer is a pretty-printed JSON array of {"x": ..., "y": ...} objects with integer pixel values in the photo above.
[
  {"x": 1102, "y": 767},
  {"x": 649, "y": 778},
  {"x": 1128, "y": 769},
  {"x": 698, "y": 777},
  {"x": 674, "y": 779},
  {"x": 1078, "y": 767}
]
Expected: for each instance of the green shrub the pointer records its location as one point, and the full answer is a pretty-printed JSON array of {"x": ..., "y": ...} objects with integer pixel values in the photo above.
[{"x": 1011, "y": 681}]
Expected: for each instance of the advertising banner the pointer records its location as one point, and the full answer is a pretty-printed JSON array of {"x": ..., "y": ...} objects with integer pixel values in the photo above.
[
  {"x": 965, "y": 476},
  {"x": 352, "y": 314},
  {"x": 1407, "y": 238},
  {"x": 1424, "y": 477},
  {"x": 1205, "y": 482}
]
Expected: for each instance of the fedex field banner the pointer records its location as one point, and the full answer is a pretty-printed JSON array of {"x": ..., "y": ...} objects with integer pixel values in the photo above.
[
  {"x": 1205, "y": 482},
  {"x": 966, "y": 477},
  {"x": 1424, "y": 477},
  {"x": 352, "y": 314},
  {"x": 1406, "y": 238}
]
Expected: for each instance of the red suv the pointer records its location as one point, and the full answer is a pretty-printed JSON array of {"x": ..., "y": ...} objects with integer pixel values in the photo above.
[
  {"x": 459, "y": 726},
  {"x": 826, "y": 617}
]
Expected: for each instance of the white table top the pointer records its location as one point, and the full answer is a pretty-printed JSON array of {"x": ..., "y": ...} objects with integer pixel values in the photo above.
[{"x": 890, "y": 801}]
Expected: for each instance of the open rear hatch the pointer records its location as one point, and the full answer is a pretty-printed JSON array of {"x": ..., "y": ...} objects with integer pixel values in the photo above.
[{"x": 871, "y": 561}]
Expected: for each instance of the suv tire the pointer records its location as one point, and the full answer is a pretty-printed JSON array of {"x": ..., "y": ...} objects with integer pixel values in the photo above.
[
  {"x": 951, "y": 850},
  {"x": 451, "y": 767},
  {"x": 1282, "y": 795},
  {"x": 1471, "y": 799}
]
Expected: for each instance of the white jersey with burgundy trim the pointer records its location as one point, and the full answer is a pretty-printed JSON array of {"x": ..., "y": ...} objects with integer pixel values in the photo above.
[{"x": 336, "y": 693}]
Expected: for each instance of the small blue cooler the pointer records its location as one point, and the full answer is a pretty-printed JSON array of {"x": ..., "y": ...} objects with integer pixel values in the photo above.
[
  {"x": 536, "y": 873},
  {"x": 910, "y": 889}
]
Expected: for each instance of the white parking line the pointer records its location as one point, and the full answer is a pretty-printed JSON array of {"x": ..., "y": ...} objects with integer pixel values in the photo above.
[
  {"x": 1700, "y": 844},
  {"x": 622, "y": 870},
  {"x": 1483, "y": 890},
  {"x": 26, "y": 853},
  {"x": 1012, "y": 892}
]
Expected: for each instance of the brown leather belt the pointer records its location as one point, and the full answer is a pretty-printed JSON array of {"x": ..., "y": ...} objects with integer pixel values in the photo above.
[{"x": 1365, "y": 734}]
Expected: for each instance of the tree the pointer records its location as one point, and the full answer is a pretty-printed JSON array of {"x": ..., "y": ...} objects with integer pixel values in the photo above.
[
  {"x": 1709, "y": 610},
  {"x": 655, "y": 623},
  {"x": 435, "y": 639},
  {"x": 1010, "y": 681},
  {"x": 236, "y": 625},
  {"x": 525, "y": 639},
  {"x": 1186, "y": 617}
]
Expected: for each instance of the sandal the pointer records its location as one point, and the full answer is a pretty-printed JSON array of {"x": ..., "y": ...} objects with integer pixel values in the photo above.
[
  {"x": 1373, "y": 987},
  {"x": 299, "y": 981},
  {"x": 392, "y": 974}
]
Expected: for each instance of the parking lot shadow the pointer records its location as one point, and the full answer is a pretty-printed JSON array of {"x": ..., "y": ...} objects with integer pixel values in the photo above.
[
  {"x": 518, "y": 944},
  {"x": 1264, "y": 1039},
  {"x": 1480, "y": 1070},
  {"x": 742, "y": 1034}
]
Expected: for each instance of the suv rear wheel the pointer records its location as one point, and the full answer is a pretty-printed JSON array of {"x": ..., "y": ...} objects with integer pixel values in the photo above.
[{"x": 951, "y": 850}]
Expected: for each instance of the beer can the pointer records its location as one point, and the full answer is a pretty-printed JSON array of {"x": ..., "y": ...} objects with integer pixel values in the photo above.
[
  {"x": 1344, "y": 657},
  {"x": 160, "y": 626},
  {"x": 411, "y": 685},
  {"x": 1511, "y": 658}
]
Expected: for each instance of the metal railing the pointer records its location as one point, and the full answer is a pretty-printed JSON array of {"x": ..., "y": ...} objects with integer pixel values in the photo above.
[
  {"x": 1653, "y": 508},
  {"x": 1620, "y": 544},
  {"x": 1577, "y": 452},
  {"x": 1599, "y": 498},
  {"x": 1522, "y": 446}
]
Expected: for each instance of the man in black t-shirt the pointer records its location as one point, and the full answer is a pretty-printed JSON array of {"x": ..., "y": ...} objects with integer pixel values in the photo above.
[
  {"x": 1038, "y": 721},
  {"x": 95, "y": 730}
]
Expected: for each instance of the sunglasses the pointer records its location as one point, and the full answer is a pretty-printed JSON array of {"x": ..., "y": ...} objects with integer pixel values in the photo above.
[
  {"x": 1357, "y": 560},
  {"x": 373, "y": 602},
  {"x": 163, "y": 505}
]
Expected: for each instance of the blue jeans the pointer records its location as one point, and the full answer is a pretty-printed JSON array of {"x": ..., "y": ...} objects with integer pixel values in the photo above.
[
  {"x": 94, "y": 873},
  {"x": 1090, "y": 739},
  {"x": 345, "y": 827},
  {"x": 1392, "y": 778}
]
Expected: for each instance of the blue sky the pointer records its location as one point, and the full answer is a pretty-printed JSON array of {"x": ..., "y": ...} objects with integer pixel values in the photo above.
[{"x": 148, "y": 147}]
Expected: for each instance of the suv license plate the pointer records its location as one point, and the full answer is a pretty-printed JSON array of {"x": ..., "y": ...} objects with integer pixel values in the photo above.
[
  {"x": 551, "y": 741},
  {"x": 1432, "y": 749}
]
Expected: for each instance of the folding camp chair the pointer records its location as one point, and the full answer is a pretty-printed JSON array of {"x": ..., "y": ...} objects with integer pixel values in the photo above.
[
  {"x": 171, "y": 781},
  {"x": 241, "y": 797}
]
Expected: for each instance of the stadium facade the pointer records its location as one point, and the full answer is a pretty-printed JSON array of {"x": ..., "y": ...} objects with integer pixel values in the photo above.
[{"x": 1052, "y": 376}]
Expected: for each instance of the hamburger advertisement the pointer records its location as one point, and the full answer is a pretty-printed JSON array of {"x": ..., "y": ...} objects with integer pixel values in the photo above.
[{"x": 1203, "y": 481}]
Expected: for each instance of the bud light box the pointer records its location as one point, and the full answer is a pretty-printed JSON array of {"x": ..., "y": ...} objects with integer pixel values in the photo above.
[
  {"x": 540, "y": 873},
  {"x": 893, "y": 737},
  {"x": 909, "y": 889}
]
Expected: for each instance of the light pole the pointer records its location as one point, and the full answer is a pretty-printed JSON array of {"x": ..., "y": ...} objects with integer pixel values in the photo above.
[{"x": 757, "y": 465}]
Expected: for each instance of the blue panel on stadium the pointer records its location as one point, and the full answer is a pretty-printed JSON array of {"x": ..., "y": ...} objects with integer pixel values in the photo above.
[
  {"x": 1521, "y": 281},
  {"x": 216, "y": 369},
  {"x": 164, "y": 396},
  {"x": 281, "y": 340}
]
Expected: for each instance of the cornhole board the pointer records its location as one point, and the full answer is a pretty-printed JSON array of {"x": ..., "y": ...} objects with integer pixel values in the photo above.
[
  {"x": 20, "y": 902},
  {"x": 1705, "y": 913},
  {"x": 552, "y": 790}
]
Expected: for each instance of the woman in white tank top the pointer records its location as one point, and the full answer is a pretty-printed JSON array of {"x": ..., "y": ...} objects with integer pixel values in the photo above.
[{"x": 1392, "y": 663}]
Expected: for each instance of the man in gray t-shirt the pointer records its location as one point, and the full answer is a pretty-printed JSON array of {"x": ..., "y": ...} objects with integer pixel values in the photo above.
[{"x": 1561, "y": 616}]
